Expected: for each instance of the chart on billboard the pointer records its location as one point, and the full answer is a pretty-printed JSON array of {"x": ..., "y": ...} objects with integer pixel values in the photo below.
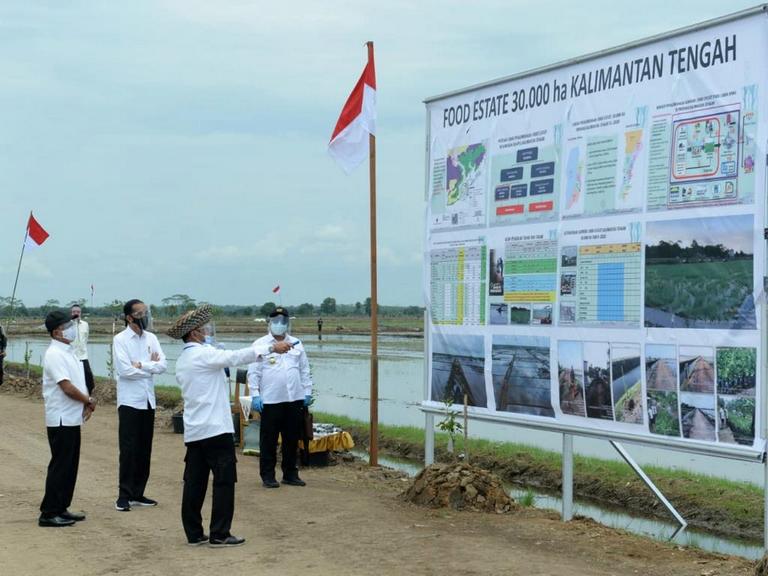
[{"x": 595, "y": 248}]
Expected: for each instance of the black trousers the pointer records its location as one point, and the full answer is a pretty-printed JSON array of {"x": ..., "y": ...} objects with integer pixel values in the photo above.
[
  {"x": 2, "y": 359},
  {"x": 89, "y": 382},
  {"x": 284, "y": 419},
  {"x": 62, "y": 470},
  {"x": 215, "y": 454},
  {"x": 135, "y": 431}
]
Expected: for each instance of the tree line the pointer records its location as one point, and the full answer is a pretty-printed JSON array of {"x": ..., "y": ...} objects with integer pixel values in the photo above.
[{"x": 176, "y": 304}]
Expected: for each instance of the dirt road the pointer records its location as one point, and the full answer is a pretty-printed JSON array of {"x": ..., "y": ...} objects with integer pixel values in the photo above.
[{"x": 347, "y": 521}]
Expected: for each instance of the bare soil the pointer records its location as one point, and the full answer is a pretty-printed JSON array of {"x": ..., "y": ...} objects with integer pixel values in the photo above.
[{"x": 349, "y": 519}]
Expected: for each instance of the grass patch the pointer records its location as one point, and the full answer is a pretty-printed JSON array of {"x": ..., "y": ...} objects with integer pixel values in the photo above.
[
  {"x": 527, "y": 499},
  {"x": 715, "y": 504},
  {"x": 168, "y": 396}
]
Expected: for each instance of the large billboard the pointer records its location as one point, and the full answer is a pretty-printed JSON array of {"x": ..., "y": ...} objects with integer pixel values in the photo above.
[{"x": 595, "y": 252}]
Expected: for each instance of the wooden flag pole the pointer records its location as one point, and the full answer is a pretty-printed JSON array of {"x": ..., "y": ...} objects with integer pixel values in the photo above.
[
  {"x": 374, "y": 433},
  {"x": 16, "y": 281}
]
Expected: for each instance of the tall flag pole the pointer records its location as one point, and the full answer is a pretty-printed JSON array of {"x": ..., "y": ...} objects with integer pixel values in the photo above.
[
  {"x": 34, "y": 236},
  {"x": 354, "y": 139}
]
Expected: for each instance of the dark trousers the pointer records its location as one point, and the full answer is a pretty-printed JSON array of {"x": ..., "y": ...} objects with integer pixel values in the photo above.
[
  {"x": 284, "y": 419},
  {"x": 62, "y": 470},
  {"x": 2, "y": 359},
  {"x": 215, "y": 454},
  {"x": 89, "y": 382},
  {"x": 135, "y": 431}
]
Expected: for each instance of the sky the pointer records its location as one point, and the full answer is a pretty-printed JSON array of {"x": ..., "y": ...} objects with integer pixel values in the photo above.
[
  {"x": 180, "y": 146},
  {"x": 734, "y": 232}
]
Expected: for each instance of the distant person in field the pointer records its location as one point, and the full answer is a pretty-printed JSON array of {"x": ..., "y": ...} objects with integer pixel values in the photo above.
[
  {"x": 319, "y": 328},
  {"x": 281, "y": 387},
  {"x": 80, "y": 344},
  {"x": 67, "y": 406},
  {"x": 208, "y": 427},
  {"x": 137, "y": 357},
  {"x": 3, "y": 346}
]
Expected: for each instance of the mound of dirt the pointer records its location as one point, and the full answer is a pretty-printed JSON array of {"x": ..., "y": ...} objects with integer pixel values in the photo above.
[
  {"x": 762, "y": 567},
  {"x": 459, "y": 486}
]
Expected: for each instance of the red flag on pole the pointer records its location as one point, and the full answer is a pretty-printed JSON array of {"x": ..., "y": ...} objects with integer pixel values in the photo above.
[
  {"x": 276, "y": 289},
  {"x": 349, "y": 142},
  {"x": 36, "y": 234}
]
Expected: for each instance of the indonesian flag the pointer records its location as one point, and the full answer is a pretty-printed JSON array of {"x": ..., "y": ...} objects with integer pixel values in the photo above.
[
  {"x": 36, "y": 234},
  {"x": 276, "y": 289},
  {"x": 349, "y": 142}
]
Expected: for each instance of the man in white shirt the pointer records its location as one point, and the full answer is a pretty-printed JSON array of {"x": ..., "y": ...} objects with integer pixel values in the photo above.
[
  {"x": 208, "y": 428},
  {"x": 137, "y": 357},
  {"x": 281, "y": 386},
  {"x": 80, "y": 344},
  {"x": 67, "y": 405}
]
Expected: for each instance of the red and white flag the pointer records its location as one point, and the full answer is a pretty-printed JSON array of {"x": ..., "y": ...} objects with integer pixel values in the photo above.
[
  {"x": 36, "y": 234},
  {"x": 349, "y": 142},
  {"x": 276, "y": 289}
]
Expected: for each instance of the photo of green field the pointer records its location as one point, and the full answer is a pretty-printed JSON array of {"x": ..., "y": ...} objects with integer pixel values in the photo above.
[
  {"x": 699, "y": 273},
  {"x": 663, "y": 416}
]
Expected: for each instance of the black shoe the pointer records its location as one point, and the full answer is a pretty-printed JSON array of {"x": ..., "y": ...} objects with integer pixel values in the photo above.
[
  {"x": 74, "y": 516},
  {"x": 295, "y": 481},
  {"x": 122, "y": 505},
  {"x": 54, "y": 522},
  {"x": 227, "y": 542},
  {"x": 143, "y": 501},
  {"x": 271, "y": 483},
  {"x": 199, "y": 541}
]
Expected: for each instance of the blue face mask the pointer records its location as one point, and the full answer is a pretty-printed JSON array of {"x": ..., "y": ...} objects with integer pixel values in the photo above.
[
  {"x": 278, "y": 328},
  {"x": 208, "y": 340}
]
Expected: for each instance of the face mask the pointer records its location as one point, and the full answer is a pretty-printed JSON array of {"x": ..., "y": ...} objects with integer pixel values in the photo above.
[
  {"x": 208, "y": 340},
  {"x": 278, "y": 328},
  {"x": 142, "y": 323},
  {"x": 69, "y": 333},
  {"x": 75, "y": 316}
]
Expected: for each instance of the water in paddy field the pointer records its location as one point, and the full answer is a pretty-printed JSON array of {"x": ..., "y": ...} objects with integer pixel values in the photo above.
[{"x": 341, "y": 374}]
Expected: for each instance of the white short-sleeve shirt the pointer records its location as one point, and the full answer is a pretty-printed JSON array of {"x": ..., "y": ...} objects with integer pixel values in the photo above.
[{"x": 60, "y": 363}]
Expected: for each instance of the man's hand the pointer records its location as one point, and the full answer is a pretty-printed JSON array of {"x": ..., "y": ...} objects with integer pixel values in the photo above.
[
  {"x": 136, "y": 365},
  {"x": 308, "y": 400},
  {"x": 2, "y": 354},
  {"x": 89, "y": 408},
  {"x": 281, "y": 347},
  {"x": 155, "y": 357},
  {"x": 257, "y": 404}
]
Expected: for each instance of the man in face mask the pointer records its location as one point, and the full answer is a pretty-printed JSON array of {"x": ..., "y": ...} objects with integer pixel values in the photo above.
[
  {"x": 67, "y": 405},
  {"x": 137, "y": 357},
  {"x": 281, "y": 386},
  {"x": 80, "y": 344}
]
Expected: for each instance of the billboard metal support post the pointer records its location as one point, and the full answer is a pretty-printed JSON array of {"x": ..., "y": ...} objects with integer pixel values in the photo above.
[
  {"x": 567, "y": 477},
  {"x": 429, "y": 440},
  {"x": 648, "y": 482}
]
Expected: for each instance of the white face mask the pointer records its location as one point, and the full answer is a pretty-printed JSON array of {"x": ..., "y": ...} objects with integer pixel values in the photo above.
[
  {"x": 278, "y": 328},
  {"x": 69, "y": 333}
]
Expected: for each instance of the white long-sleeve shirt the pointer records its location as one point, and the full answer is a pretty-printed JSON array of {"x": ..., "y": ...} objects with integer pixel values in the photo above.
[
  {"x": 204, "y": 387},
  {"x": 59, "y": 364},
  {"x": 280, "y": 377},
  {"x": 135, "y": 386},
  {"x": 80, "y": 343}
]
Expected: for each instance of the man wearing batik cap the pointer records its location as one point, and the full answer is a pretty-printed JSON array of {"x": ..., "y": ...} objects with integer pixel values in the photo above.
[
  {"x": 67, "y": 405},
  {"x": 208, "y": 429}
]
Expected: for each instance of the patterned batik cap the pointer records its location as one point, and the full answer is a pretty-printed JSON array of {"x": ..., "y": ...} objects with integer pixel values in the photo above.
[{"x": 191, "y": 320}]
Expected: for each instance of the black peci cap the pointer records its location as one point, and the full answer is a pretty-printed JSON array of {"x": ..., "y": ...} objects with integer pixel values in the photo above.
[
  {"x": 279, "y": 311},
  {"x": 56, "y": 318}
]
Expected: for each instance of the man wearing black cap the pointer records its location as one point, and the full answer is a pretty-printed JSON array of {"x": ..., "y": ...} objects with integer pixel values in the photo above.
[
  {"x": 281, "y": 386},
  {"x": 67, "y": 405}
]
